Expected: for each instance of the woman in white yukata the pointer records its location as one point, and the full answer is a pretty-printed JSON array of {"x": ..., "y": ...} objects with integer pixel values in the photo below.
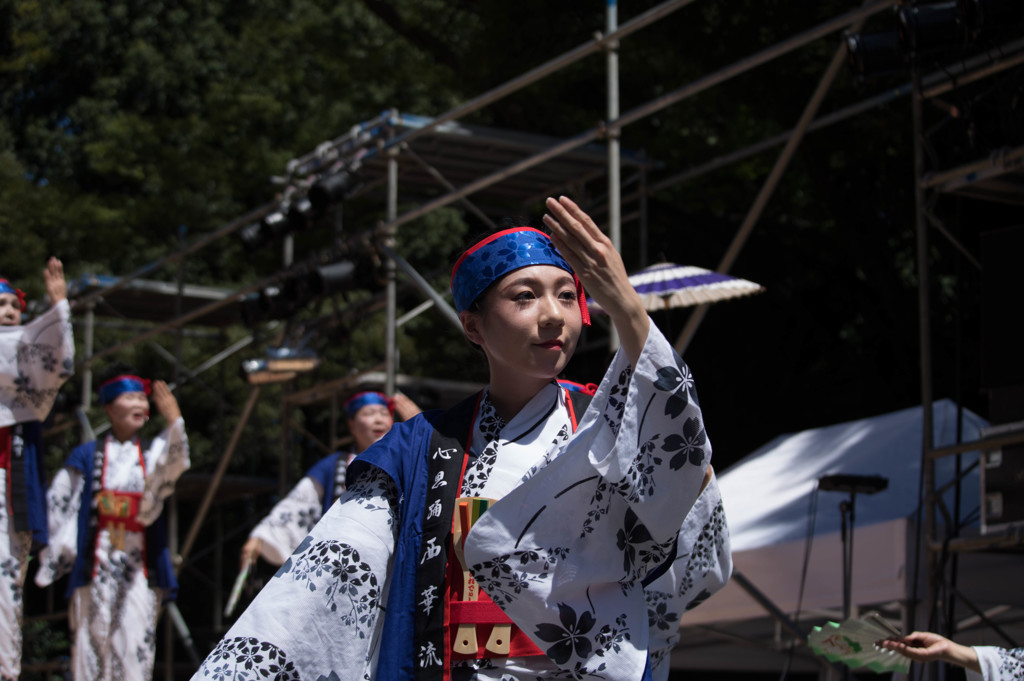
[
  {"x": 527, "y": 533},
  {"x": 987, "y": 663},
  {"x": 369, "y": 415},
  {"x": 35, "y": 361},
  {"x": 107, "y": 530}
]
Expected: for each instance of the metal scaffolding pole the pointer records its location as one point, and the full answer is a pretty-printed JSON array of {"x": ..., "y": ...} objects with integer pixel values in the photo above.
[
  {"x": 390, "y": 349},
  {"x": 772, "y": 181},
  {"x": 924, "y": 335},
  {"x": 614, "y": 151}
]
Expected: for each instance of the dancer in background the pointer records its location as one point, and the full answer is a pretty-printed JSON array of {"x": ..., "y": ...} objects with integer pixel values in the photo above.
[
  {"x": 35, "y": 360},
  {"x": 990, "y": 663},
  {"x": 369, "y": 415},
  {"x": 107, "y": 530},
  {"x": 584, "y": 497}
]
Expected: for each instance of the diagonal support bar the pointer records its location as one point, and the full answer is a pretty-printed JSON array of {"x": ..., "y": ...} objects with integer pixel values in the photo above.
[
  {"x": 222, "y": 467},
  {"x": 772, "y": 181}
]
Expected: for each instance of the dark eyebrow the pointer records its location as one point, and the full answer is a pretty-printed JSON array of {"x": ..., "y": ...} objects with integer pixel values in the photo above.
[{"x": 527, "y": 280}]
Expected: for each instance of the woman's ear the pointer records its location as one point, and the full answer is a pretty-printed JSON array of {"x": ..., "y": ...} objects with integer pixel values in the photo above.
[{"x": 471, "y": 326}]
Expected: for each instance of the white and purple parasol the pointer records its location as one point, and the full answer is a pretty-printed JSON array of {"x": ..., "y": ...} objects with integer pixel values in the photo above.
[{"x": 667, "y": 285}]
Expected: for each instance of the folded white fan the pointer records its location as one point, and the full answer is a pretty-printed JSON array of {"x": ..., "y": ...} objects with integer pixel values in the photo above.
[
  {"x": 236, "y": 590},
  {"x": 852, "y": 642}
]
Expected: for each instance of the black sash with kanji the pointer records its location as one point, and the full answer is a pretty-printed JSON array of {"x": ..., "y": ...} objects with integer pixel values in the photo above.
[
  {"x": 447, "y": 464},
  {"x": 17, "y": 490}
]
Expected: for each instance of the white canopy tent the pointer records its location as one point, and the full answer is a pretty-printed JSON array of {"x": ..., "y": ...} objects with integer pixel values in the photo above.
[{"x": 768, "y": 498}]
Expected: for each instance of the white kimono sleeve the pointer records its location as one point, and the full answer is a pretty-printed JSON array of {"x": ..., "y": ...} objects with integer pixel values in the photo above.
[
  {"x": 63, "y": 501},
  {"x": 289, "y": 521},
  {"x": 702, "y": 565},
  {"x": 998, "y": 664},
  {"x": 321, "y": 615},
  {"x": 166, "y": 459},
  {"x": 35, "y": 360},
  {"x": 564, "y": 554}
]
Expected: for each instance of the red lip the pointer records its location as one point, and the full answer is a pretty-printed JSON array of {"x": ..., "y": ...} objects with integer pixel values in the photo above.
[{"x": 553, "y": 344}]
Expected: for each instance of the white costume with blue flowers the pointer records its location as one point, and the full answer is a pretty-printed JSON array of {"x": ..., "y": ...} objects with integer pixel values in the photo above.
[
  {"x": 35, "y": 360},
  {"x": 998, "y": 664},
  {"x": 120, "y": 572},
  {"x": 292, "y": 518},
  {"x": 581, "y": 520}
]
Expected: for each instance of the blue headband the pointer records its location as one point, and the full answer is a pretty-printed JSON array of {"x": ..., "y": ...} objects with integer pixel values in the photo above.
[
  {"x": 501, "y": 253},
  {"x": 122, "y": 384},
  {"x": 7, "y": 287},
  {"x": 360, "y": 400}
]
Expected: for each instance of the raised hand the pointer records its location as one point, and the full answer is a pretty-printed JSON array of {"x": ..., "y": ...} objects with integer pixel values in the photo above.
[
  {"x": 601, "y": 271},
  {"x": 165, "y": 402},
  {"x": 53, "y": 275},
  {"x": 405, "y": 408}
]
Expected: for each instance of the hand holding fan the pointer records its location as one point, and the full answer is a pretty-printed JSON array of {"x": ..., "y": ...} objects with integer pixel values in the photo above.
[{"x": 852, "y": 642}]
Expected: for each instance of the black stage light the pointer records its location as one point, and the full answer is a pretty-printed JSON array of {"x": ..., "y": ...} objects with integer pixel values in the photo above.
[
  {"x": 272, "y": 226},
  {"x": 926, "y": 28},
  {"x": 275, "y": 224},
  {"x": 333, "y": 278},
  {"x": 875, "y": 54},
  {"x": 298, "y": 290},
  {"x": 252, "y": 236},
  {"x": 331, "y": 189},
  {"x": 256, "y": 307},
  {"x": 301, "y": 214}
]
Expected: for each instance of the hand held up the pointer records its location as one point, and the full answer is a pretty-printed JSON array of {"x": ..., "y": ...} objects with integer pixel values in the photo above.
[
  {"x": 600, "y": 269},
  {"x": 56, "y": 286},
  {"x": 165, "y": 402}
]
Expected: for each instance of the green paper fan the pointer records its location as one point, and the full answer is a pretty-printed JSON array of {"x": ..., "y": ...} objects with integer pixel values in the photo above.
[{"x": 852, "y": 642}]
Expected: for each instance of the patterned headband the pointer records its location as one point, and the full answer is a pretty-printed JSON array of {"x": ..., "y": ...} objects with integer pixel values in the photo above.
[
  {"x": 503, "y": 252},
  {"x": 7, "y": 287},
  {"x": 122, "y": 384},
  {"x": 365, "y": 399}
]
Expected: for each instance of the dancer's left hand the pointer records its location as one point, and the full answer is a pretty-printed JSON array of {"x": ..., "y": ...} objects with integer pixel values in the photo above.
[{"x": 601, "y": 271}]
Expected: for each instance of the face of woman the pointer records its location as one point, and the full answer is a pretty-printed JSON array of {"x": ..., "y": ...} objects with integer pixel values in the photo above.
[
  {"x": 128, "y": 412},
  {"x": 529, "y": 323},
  {"x": 370, "y": 424},
  {"x": 10, "y": 310}
]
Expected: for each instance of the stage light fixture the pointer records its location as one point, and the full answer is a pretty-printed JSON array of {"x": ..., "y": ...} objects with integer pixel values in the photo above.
[
  {"x": 301, "y": 214},
  {"x": 275, "y": 224},
  {"x": 287, "y": 358},
  {"x": 272, "y": 226},
  {"x": 256, "y": 372},
  {"x": 331, "y": 189},
  {"x": 295, "y": 217},
  {"x": 280, "y": 364},
  {"x": 251, "y": 237},
  {"x": 333, "y": 278},
  {"x": 930, "y": 27},
  {"x": 875, "y": 54},
  {"x": 269, "y": 303}
]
